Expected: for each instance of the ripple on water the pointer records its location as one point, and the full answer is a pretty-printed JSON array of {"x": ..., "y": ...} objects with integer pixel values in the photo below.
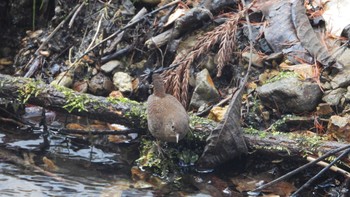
[{"x": 16, "y": 182}]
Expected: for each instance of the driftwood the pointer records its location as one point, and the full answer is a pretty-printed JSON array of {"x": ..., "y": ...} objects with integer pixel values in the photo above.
[{"x": 124, "y": 113}]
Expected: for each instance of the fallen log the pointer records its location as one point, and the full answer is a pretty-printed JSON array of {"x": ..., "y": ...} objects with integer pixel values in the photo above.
[
  {"x": 131, "y": 114},
  {"x": 61, "y": 99}
]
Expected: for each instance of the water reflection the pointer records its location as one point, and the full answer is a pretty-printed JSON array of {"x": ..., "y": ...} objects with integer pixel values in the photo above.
[
  {"x": 16, "y": 182},
  {"x": 84, "y": 169}
]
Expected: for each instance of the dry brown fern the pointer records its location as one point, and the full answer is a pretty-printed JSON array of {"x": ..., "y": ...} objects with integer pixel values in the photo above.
[{"x": 177, "y": 79}]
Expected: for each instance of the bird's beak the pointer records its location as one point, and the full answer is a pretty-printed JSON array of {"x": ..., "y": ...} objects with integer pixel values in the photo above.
[{"x": 177, "y": 138}]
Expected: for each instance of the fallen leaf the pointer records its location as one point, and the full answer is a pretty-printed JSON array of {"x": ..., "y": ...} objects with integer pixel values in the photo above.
[
  {"x": 217, "y": 113},
  {"x": 177, "y": 14},
  {"x": 49, "y": 164}
]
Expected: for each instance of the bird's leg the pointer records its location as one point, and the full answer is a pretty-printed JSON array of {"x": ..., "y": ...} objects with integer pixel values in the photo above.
[{"x": 160, "y": 150}]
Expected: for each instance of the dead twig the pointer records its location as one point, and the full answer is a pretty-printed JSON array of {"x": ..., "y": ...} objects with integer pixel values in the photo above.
[
  {"x": 333, "y": 168},
  {"x": 70, "y": 24},
  {"x": 301, "y": 168},
  {"x": 308, "y": 183}
]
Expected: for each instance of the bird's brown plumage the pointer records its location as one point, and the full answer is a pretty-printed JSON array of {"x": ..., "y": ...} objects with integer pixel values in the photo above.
[{"x": 167, "y": 119}]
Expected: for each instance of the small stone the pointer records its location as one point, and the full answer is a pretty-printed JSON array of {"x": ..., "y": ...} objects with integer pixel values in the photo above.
[
  {"x": 290, "y": 95},
  {"x": 100, "y": 85},
  {"x": 122, "y": 81},
  {"x": 339, "y": 126},
  {"x": 44, "y": 53},
  {"x": 326, "y": 86},
  {"x": 116, "y": 94},
  {"x": 80, "y": 86},
  {"x": 94, "y": 71},
  {"x": 110, "y": 66},
  {"x": 347, "y": 95},
  {"x": 205, "y": 91},
  {"x": 333, "y": 97},
  {"x": 341, "y": 80},
  {"x": 63, "y": 79},
  {"x": 324, "y": 109}
]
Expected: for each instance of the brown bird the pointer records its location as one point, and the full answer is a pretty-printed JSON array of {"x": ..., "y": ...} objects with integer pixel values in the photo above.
[{"x": 167, "y": 119}]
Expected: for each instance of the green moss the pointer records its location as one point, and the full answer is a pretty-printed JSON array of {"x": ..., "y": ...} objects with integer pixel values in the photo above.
[
  {"x": 271, "y": 148},
  {"x": 165, "y": 159},
  {"x": 276, "y": 126},
  {"x": 311, "y": 142},
  {"x": 121, "y": 100},
  {"x": 32, "y": 88},
  {"x": 75, "y": 101},
  {"x": 282, "y": 75},
  {"x": 158, "y": 160}
]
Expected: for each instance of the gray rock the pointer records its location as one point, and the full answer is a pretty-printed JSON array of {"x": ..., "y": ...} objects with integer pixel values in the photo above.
[
  {"x": 290, "y": 95},
  {"x": 205, "y": 91},
  {"x": 122, "y": 81},
  {"x": 100, "y": 85},
  {"x": 111, "y": 65},
  {"x": 342, "y": 79},
  {"x": 343, "y": 56},
  {"x": 339, "y": 127},
  {"x": 333, "y": 97},
  {"x": 347, "y": 95}
]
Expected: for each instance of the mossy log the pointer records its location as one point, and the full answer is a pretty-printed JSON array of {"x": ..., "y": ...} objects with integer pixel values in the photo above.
[
  {"x": 61, "y": 99},
  {"x": 132, "y": 114}
]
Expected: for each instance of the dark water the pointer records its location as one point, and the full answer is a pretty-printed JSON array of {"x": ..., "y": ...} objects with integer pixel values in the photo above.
[{"x": 83, "y": 169}]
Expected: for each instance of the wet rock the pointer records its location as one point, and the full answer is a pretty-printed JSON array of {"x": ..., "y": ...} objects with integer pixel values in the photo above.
[
  {"x": 339, "y": 126},
  {"x": 290, "y": 95},
  {"x": 205, "y": 91},
  {"x": 341, "y": 80},
  {"x": 122, "y": 81},
  {"x": 63, "y": 79},
  {"x": 110, "y": 66},
  {"x": 80, "y": 86},
  {"x": 333, "y": 97},
  {"x": 100, "y": 85}
]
